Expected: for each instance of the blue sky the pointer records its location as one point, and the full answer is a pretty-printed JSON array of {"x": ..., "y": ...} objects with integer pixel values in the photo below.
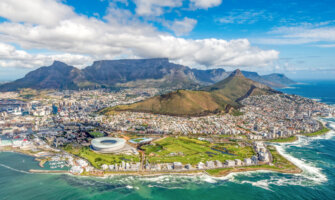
[{"x": 295, "y": 37}]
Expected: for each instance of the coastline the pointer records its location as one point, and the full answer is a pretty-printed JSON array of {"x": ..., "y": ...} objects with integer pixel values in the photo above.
[
  {"x": 225, "y": 172},
  {"x": 284, "y": 140},
  {"x": 323, "y": 131},
  {"x": 219, "y": 172},
  {"x": 241, "y": 170},
  {"x": 294, "y": 138},
  {"x": 287, "y": 166}
]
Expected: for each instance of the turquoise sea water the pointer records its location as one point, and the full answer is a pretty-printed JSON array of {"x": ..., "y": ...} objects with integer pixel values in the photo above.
[
  {"x": 316, "y": 156},
  {"x": 321, "y": 90}
]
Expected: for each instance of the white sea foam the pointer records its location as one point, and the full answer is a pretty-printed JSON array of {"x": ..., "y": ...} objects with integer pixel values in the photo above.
[
  {"x": 310, "y": 172},
  {"x": 160, "y": 179},
  {"x": 262, "y": 184},
  {"x": 304, "y": 141},
  {"x": 208, "y": 179},
  {"x": 332, "y": 125},
  {"x": 163, "y": 179},
  {"x": 13, "y": 169}
]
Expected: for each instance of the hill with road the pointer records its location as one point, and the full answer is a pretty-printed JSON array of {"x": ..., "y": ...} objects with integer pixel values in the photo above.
[{"x": 223, "y": 96}]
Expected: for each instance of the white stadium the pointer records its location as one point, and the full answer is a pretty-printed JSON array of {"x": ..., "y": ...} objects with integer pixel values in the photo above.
[{"x": 108, "y": 144}]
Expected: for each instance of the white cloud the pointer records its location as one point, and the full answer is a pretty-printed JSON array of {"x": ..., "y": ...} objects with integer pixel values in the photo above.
[
  {"x": 155, "y": 7},
  {"x": 243, "y": 17},
  {"x": 122, "y": 35},
  {"x": 11, "y": 57},
  {"x": 46, "y": 12},
  {"x": 311, "y": 33},
  {"x": 326, "y": 45},
  {"x": 183, "y": 27},
  {"x": 304, "y": 34},
  {"x": 204, "y": 4}
]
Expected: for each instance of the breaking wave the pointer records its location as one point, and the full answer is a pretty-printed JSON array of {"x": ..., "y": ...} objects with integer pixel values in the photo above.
[
  {"x": 311, "y": 174},
  {"x": 13, "y": 169}
]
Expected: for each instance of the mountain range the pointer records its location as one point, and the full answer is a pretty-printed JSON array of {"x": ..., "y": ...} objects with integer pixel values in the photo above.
[
  {"x": 223, "y": 96},
  {"x": 157, "y": 72}
]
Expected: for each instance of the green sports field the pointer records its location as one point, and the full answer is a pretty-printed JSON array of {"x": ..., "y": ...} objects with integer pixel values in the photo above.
[
  {"x": 192, "y": 151},
  {"x": 98, "y": 159}
]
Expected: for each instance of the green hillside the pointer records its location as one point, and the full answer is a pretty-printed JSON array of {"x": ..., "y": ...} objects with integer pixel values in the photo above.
[
  {"x": 237, "y": 87},
  {"x": 220, "y": 97},
  {"x": 181, "y": 102}
]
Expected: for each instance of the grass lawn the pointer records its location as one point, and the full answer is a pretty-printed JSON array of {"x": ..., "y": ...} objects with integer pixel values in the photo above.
[
  {"x": 237, "y": 113},
  {"x": 188, "y": 150},
  {"x": 225, "y": 136},
  {"x": 289, "y": 139},
  {"x": 138, "y": 140},
  {"x": 96, "y": 134},
  {"x": 97, "y": 159},
  {"x": 280, "y": 164},
  {"x": 320, "y": 132}
]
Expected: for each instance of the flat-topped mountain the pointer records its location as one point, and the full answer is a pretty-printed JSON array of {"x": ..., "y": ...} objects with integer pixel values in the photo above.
[
  {"x": 220, "y": 97},
  {"x": 157, "y": 72}
]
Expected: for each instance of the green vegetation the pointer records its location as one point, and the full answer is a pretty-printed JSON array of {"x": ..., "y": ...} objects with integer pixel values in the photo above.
[
  {"x": 96, "y": 134},
  {"x": 188, "y": 150},
  {"x": 237, "y": 113},
  {"x": 225, "y": 136},
  {"x": 280, "y": 164},
  {"x": 138, "y": 140},
  {"x": 97, "y": 159},
  {"x": 181, "y": 102},
  {"x": 319, "y": 132},
  {"x": 218, "y": 98},
  {"x": 237, "y": 87},
  {"x": 278, "y": 160},
  {"x": 29, "y": 94},
  {"x": 288, "y": 139},
  {"x": 86, "y": 84}
]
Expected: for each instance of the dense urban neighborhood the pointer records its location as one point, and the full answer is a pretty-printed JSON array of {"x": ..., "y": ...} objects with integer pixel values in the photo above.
[{"x": 65, "y": 131}]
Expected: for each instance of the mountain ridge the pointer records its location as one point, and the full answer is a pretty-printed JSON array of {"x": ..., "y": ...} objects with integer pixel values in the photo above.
[
  {"x": 220, "y": 97},
  {"x": 155, "y": 72}
]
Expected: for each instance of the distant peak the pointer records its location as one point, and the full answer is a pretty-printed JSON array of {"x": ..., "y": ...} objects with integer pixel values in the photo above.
[
  {"x": 278, "y": 74},
  {"x": 135, "y": 60},
  {"x": 58, "y": 63},
  {"x": 237, "y": 72},
  {"x": 159, "y": 59},
  {"x": 60, "y": 66}
]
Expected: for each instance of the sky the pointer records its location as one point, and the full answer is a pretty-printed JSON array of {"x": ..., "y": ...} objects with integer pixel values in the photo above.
[{"x": 294, "y": 37}]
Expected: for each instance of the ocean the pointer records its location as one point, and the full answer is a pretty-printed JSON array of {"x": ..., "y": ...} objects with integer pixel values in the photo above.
[
  {"x": 316, "y": 156},
  {"x": 323, "y": 91}
]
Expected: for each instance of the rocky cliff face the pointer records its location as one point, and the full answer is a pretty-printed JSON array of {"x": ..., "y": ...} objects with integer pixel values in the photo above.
[
  {"x": 136, "y": 73},
  {"x": 158, "y": 72}
]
